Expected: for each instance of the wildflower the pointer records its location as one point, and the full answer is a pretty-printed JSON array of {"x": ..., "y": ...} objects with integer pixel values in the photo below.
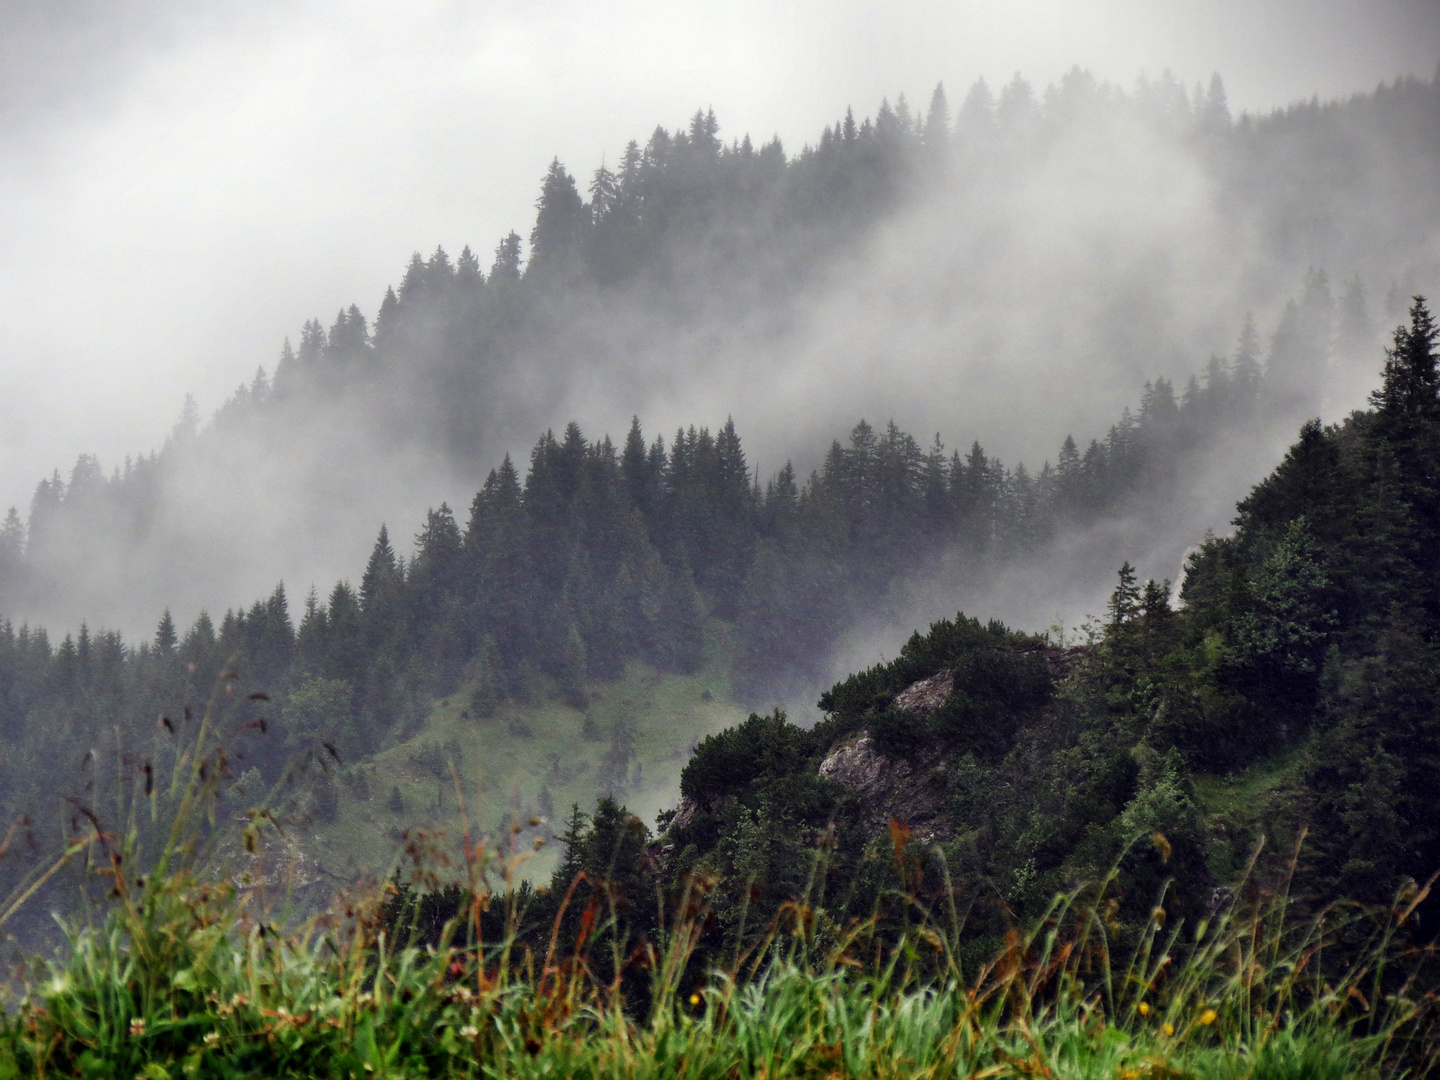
[
  {"x": 1208, "y": 1017},
  {"x": 470, "y": 1031},
  {"x": 211, "y": 1038},
  {"x": 137, "y": 1028},
  {"x": 1168, "y": 1028},
  {"x": 694, "y": 999},
  {"x": 1144, "y": 1008}
]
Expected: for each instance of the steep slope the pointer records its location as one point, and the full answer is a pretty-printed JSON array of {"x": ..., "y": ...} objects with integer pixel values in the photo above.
[{"x": 1294, "y": 690}]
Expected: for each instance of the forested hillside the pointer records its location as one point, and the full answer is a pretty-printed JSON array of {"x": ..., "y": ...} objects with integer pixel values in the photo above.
[
  {"x": 598, "y": 558},
  {"x": 695, "y": 265},
  {"x": 1285, "y": 707},
  {"x": 1274, "y": 731},
  {"x": 603, "y": 572}
]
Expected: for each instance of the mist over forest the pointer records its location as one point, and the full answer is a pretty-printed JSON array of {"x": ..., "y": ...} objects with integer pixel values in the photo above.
[
  {"x": 1014, "y": 267},
  {"x": 735, "y": 540},
  {"x": 943, "y": 357}
]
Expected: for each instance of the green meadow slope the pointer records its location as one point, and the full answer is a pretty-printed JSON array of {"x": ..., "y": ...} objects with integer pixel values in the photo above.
[{"x": 530, "y": 760}]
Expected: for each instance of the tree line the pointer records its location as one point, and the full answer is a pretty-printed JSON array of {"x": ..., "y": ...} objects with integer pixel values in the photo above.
[
  {"x": 1296, "y": 681},
  {"x": 598, "y": 555}
]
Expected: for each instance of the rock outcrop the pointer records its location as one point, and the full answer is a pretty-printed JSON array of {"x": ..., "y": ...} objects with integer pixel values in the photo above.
[
  {"x": 891, "y": 789},
  {"x": 927, "y": 695},
  {"x": 687, "y": 808}
]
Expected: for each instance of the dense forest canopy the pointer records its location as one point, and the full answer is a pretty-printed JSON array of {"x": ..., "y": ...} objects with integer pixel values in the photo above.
[
  {"x": 1285, "y": 706},
  {"x": 957, "y": 242},
  {"x": 659, "y": 554},
  {"x": 602, "y": 554}
]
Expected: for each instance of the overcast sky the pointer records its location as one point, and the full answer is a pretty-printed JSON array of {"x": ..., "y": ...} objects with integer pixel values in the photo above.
[{"x": 182, "y": 184}]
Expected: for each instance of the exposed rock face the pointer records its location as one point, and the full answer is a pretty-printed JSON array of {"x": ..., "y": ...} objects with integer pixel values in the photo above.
[
  {"x": 687, "y": 808},
  {"x": 927, "y": 695},
  {"x": 685, "y": 811},
  {"x": 891, "y": 788}
]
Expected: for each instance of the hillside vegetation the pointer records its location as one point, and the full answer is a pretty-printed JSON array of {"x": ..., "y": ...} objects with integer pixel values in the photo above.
[
  {"x": 1291, "y": 694},
  {"x": 1192, "y": 844},
  {"x": 491, "y": 640},
  {"x": 407, "y": 831}
]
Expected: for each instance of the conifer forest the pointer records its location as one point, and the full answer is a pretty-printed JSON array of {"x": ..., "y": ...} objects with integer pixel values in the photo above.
[{"x": 957, "y": 590}]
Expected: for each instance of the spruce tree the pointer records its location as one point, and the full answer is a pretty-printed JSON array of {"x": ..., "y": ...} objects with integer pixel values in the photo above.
[
  {"x": 1410, "y": 383},
  {"x": 165, "y": 637},
  {"x": 506, "y": 267},
  {"x": 1124, "y": 602},
  {"x": 380, "y": 573},
  {"x": 573, "y": 861},
  {"x": 560, "y": 225}
]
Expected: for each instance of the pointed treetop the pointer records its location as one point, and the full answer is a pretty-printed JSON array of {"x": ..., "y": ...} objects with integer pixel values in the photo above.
[
  {"x": 1410, "y": 382},
  {"x": 165, "y": 637}
]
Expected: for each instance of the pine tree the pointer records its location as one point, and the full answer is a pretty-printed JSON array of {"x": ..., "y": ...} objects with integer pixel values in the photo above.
[
  {"x": 560, "y": 224},
  {"x": 165, "y": 637},
  {"x": 976, "y": 122},
  {"x": 1410, "y": 386},
  {"x": 937, "y": 123},
  {"x": 573, "y": 836},
  {"x": 640, "y": 480},
  {"x": 386, "y": 321},
  {"x": 467, "y": 270},
  {"x": 1245, "y": 368},
  {"x": 506, "y": 267},
  {"x": 705, "y": 133},
  {"x": 414, "y": 285},
  {"x": 380, "y": 573},
  {"x": 1215, "y": 110},
  {"x": 12, "y": 541},
  {"x": 1124, "y": 602}
]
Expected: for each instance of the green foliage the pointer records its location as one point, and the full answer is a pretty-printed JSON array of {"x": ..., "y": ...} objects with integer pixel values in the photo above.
[
  {"x": 1309, "y": 637},
  {"x": 319, "y": 708},
  {"x": 724, "y": 764},
  {"x": 189, "y": 977}
]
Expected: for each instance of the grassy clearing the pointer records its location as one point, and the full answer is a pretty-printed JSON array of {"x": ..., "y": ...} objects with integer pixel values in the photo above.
[
  {"x": 507, "y": 758},
  {"x": 1263, "y": 800}
]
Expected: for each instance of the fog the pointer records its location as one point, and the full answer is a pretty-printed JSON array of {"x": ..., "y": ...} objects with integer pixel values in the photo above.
[{"x": 184, "y": 186}]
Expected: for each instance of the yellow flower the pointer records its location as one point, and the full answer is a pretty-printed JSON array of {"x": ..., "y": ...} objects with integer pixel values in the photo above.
[
  {"x": 694, "y": 999},
  {"x": 1208, "y": 1017},
  {"x": 1169, "y": 1029},
  {"x": 1144, "y": 1008}
]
